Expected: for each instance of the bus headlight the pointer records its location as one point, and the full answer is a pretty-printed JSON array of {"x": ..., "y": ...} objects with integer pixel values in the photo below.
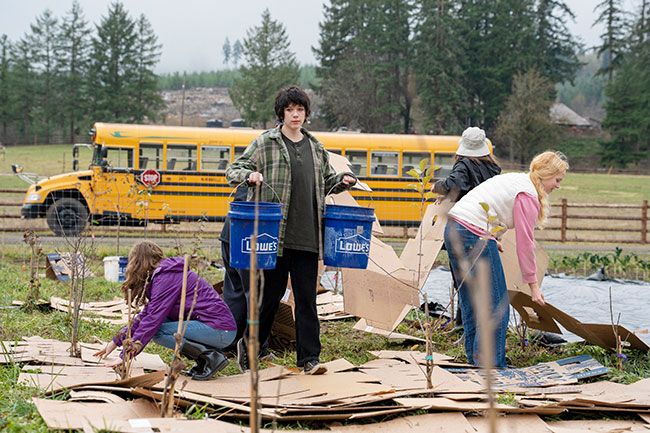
[{"x": 33, "y": 197}]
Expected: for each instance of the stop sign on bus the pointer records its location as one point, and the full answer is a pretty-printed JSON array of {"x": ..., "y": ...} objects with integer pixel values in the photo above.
[{"x": 150, "y": 177}]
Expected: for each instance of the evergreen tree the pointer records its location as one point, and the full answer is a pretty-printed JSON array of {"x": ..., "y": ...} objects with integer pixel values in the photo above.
[
  {"x": 6, "y": 114},
  {"x": 45, "y": 47},
  {"x": 366, "y": 63},
  {"x": 23, "y": 91},
  {"x": 524, "y": 126},
  {"x": 556, "y": 47},
  {"x": 237, "y": 50},
  {"x": 113, "y": 65},
  {"x": 73, "y": 60},
  {"x": 227, "y": 51},
  {"x": 269, "y": 66},
  {"x": 614, "y": 39},
  {"x": 440, "y": 78},
  {"x": 146, "y": 99},
  {"x": 628, "y": 103}
]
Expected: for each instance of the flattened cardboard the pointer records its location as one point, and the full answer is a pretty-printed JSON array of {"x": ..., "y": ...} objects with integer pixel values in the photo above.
[
  {"x": 58, "y": 266},
  {"x": 542, "y": 320},
  {"x": 144, "y": 360},
  {"x": 438, "y": 403},
  {"x": 593, "y": 426},
  {"x": 605, "y": 334},
  {"x": 530, "y": 423},
  {"x": 428, "y": 423},
  {"x": 59, "y": 414},
  {"x": 362, "y": 325}
]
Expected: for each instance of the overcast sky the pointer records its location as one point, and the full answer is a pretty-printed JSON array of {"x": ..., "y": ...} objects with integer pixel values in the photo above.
[{"x": 192, "y": 32}]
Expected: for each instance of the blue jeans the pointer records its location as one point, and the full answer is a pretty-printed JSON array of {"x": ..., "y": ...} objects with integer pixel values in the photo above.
[
  {"x": 460, "y": 240},
  {"x": 197, "y": 333}
]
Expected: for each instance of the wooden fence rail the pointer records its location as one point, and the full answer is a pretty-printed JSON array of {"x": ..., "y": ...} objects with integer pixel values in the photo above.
[{"x": 585, "y": 220}]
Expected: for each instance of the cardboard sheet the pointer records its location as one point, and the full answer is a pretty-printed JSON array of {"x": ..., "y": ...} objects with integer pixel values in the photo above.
[
  {"x": 511, "y": 424},
  {"x": 65, "y": 415},
  {"x": 362, "y": 325},
  {"x": 429, "y": 423}
]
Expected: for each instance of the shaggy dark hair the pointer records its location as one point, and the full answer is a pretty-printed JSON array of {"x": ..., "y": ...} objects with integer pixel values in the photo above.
[{"x": 291, "y": 95}]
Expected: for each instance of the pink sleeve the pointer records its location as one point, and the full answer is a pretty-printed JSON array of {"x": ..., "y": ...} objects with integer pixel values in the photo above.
[{"x": 525, "y": 214}]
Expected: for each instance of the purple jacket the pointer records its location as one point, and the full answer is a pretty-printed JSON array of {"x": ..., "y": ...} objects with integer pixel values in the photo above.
[{"x": 164, "y": 295}]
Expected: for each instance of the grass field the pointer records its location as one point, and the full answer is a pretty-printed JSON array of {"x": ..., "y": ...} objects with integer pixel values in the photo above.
[{"x": 577, "y": 187}]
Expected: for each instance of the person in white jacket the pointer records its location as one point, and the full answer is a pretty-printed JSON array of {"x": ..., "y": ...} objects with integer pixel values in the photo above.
[{"x": 514, "y": 200}]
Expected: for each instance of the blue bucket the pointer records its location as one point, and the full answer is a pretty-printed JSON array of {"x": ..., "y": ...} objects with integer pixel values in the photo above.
[
  {"x": 242, "y": 219},
  {"x": 121, "y": 268},
  {"x": 348, "y": 229}
]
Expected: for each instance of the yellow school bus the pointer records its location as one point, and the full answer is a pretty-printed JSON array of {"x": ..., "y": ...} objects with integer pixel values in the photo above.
[{"x": 148, "y": 173}]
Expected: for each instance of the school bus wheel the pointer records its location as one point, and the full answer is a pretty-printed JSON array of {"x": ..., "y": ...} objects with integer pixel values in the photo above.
[{"x": 67, "y": 217}]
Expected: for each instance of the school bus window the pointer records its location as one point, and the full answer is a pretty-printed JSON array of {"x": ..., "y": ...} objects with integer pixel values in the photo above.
[
  {"x": 384, "y": 163},
  {"x": 445, "y": 162},
  {"x": 214, "y": 158},
  {"x": 119, "y": 158},
  {"x": 238, "y": 151},
  {"x": 337, "y": 151},
  {"x": 358, "y": 161},
  {"x": 151, "y": 156},
  {"x": 412, "y": 159},
  {"x": 181, "y": 157}
]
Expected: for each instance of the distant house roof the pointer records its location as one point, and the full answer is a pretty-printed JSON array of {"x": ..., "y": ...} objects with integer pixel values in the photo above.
[{"x": 563, "y": 115}]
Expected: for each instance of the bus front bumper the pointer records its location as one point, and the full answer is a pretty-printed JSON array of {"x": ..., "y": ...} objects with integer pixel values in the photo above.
[{"x": 33, "y": 210}]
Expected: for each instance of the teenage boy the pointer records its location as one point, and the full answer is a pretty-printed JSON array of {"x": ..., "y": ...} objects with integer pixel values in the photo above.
[{"x": 296, "y": 167}]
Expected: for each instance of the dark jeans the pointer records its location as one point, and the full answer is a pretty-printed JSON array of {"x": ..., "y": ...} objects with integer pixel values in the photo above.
[
  {"x": 235, "y": 290},
  {"x": 469, "y": 245},
  {"x": 303, "y": 268}
]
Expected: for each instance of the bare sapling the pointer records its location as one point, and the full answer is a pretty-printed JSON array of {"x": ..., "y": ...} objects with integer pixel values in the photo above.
[
  {"x": 423, "y": 175},
  {"x": 33, "y": 295},
  {"x": 177, "y": 365},
  {"x": 620, "y": 356}
]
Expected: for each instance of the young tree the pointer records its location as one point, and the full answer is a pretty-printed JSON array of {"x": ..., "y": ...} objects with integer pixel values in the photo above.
[
  {"x": 227, "y": 51},
  {"x": 269, "y": 66},
  {"x": 146, "y": 99},
  {"x": 73, "y": 60},
  {"x": 614, "y": 39},
  {"x": 524, "y": 125}
]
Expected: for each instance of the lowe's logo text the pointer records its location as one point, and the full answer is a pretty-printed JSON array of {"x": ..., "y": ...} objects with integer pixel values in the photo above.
[
  {"x": 355, "y": 244},
  {"x": 266, "y": 244}
]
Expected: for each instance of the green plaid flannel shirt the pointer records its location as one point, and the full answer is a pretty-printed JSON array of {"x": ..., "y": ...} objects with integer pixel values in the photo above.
[{"x": 268, "y": 155}]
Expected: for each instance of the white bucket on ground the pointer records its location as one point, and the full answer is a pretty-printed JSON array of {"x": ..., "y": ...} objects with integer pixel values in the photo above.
[{"x": 114, "y": 268}]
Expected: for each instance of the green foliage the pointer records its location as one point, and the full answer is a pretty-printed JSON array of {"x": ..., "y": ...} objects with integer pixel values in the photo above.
[
  {"x": 365, "y": 64},
  {"x": 54, "y": 84},
  {"x": 616, "y": 264},
  {"x": 524, "y": 125},
  {"x": 269, "y": 66}
]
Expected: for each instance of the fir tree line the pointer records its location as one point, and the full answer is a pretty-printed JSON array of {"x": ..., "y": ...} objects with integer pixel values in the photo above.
[
  {"x": 63, "y": 74},
  {"x": 625, "y": 61}
]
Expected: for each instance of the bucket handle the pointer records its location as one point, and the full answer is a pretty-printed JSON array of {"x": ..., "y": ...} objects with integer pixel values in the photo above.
[
  {"x": 337, "y": 184},
  {"x": 263, "y": 183}
]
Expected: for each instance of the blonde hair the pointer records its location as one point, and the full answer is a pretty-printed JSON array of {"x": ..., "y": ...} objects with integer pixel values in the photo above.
[
  {"x": 143, "y": 260},
  {"x": 544, "y": 166}
]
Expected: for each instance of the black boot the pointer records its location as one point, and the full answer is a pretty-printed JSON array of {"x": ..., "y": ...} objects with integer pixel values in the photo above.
[
  {"x": 215, "y": 361},
  {"x": 193, "y": 351}
]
